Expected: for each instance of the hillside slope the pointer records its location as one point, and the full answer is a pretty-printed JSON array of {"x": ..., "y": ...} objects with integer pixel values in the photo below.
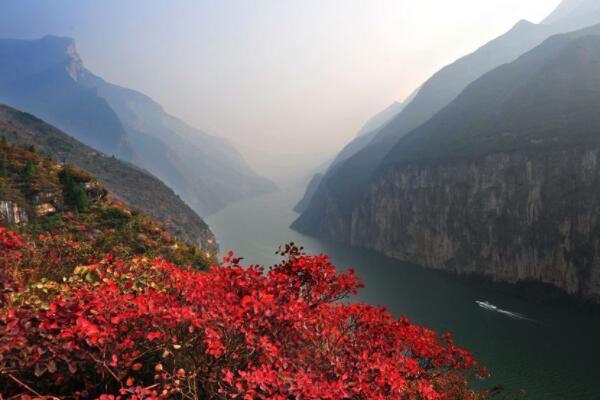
[
  {"x": 72, "y": 220},
  {"x": 343, "y": 186},
  {"x": 40, "y": 77},
  {"x": 135, "y": 187},
  {"x": 206, "y": 170},
  {"x": 504, "y": 182},
  {"x": 47, "y": 78},
  {"x": 380, "y": 119}
]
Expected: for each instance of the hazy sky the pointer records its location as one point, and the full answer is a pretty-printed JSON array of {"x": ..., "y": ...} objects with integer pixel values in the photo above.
[{"x": 291, "y": 76}]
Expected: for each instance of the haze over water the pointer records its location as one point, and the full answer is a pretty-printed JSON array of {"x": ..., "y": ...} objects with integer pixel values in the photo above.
[{"x": 552, "y": 356}]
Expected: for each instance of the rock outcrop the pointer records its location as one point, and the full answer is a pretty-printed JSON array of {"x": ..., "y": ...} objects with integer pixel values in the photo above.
[
  {"x": 39, "y": 203},
  {"x": 12, "y": 213},
  {"x": 509, "y": 216}
]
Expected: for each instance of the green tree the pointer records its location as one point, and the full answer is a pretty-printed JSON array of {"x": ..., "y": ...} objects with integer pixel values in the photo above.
[
  {"x": 4, "y": 166},
  {"x": 75, "y": 195},
  {"x": 28, "y": 169},
  {"x": 3, "y": 141},
  {"x": 80, "y": 199}
]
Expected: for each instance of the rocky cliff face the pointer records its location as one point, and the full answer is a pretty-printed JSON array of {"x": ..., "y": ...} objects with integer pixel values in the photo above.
[
  {"x": 503, "y": 182},
  {"x": 40, "y": 203},
  {"x": 356, "y": 163},
  {"x": 510, "y": 216},
  {"x": 11, "y": 213}
]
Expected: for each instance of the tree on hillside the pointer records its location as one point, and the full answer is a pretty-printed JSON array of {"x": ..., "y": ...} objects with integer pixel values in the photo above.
[
  {"x": 4, "y": 166},
  {"x": 75, "y": 195},
  {"x": 28, "y": 169}
]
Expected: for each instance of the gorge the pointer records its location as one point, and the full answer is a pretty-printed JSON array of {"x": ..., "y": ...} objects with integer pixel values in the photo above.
[
  {"x": 549, "y": 356},
  {"x": 449, "y": 251},
  {"x": 500, "y": 183}
]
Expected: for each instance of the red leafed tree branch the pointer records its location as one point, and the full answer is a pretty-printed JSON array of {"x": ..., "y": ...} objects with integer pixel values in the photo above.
[{"x": 145, "y": 328}]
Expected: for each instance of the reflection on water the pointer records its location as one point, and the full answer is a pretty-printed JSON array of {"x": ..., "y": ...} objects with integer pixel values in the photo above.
[{"x": 552, "y": 355}]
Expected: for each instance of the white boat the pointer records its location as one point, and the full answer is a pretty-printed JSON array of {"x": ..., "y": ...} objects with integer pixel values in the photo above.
[
  {"x": 490, "y": 307},
  {"x": 486, "y": 305}
]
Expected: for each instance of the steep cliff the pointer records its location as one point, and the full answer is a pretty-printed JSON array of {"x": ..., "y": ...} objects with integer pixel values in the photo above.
[
  {"x": 510, "y": 216},
  {"x": 503, "y": 182},
  {"x": 312, "y": 187},
  {"x": 349, "y": 180}
]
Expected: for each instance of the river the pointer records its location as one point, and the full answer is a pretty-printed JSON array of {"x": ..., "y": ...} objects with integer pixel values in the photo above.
[{"x": 552, "y": 355}]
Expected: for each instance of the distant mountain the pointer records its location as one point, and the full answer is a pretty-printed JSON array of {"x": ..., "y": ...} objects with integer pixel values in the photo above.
[
  {"x": 135, "y": 187},
  {"x": 503, "y": 182},
  {"x": 344, "y": 185},
  {"x": 371, "y": 128},
  {"x": 40, "y": 77},
  {"x": 546, "y": 98},
  {"x": 47, "y": 77},
  {"x": 382, "y": 118},
  {"x": 564, "y": 10},
  {"x": 206, "y": 170},
  {"x": 573, "y": 14},
  {"x": 363, "y": 137},
  {"x": 312, "y": 187}
]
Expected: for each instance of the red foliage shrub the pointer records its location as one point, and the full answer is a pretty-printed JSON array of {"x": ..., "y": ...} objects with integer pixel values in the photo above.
[
  {"x": 10, "y": 255},
  {"x": 147, "y": 329}
]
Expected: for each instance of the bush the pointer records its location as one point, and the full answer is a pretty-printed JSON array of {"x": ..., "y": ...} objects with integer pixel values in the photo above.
[
  {"x": 114, "y": 217},
  {"x": 144, "y": 329}
]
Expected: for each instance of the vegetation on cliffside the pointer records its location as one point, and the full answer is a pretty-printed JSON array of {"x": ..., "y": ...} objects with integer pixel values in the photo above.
[
  {"x": 137, "y": 188},
  {"x": 98, "y": 301},
  {"x": 66, "y": 207}
]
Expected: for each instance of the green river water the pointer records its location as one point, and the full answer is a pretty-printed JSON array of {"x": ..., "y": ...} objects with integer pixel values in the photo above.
[{"x": 553, "y": 355}]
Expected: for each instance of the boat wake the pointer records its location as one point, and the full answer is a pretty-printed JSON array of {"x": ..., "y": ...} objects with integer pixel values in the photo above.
[{"x": 490, "y": 307}]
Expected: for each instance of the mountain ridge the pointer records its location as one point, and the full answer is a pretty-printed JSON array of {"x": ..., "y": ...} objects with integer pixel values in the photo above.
[
  {"x": 186, "y": 151},
  {"x": 343, "y": 186},
  {"x": 539, "y": 61},
  {"x": 207, "y": 171},
  {"x": 42, "y": 79},
  {"x": 520, "y": 151}
]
